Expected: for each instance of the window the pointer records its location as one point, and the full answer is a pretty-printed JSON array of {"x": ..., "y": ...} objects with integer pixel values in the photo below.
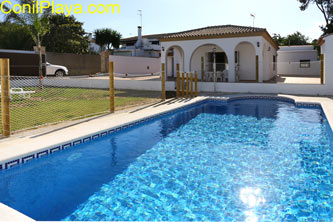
[
  {"x": 274, "y": 63},
  {"x": 155, "y": 42},
  {"x": 305, "y": 64},
  {"x": 220, "y": 59}
]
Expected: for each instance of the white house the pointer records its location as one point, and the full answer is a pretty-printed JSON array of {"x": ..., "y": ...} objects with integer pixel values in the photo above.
[
  {"x": 232, "y": 53},
  {"x": 298, "y": 61},
  {"x": 326, "y": 44},
  {"x": 93, "y": 47},
  {"x": 140, "y": 46}
]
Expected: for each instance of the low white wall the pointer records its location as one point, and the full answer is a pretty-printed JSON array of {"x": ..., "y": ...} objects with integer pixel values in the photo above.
[
  {"x": 104, "y": 84},
  {"x": 269, "y": 88},
  {"x": 143, "y": 85},
  {"x": 294, "y": 69},
  {"x": 135, "y": 65}
]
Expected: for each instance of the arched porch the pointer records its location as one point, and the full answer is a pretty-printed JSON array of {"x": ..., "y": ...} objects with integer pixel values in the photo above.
[
  {"x": 245, "y": 62},
  {"x": 210, "y": 61},
  {"x": 174, "y": 56}
]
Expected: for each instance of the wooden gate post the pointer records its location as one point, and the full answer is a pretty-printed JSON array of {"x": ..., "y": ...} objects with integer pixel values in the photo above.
[
  {"x": 178, "y": 82},
  {"x": 111, "y": 81},
  {"x": 163, "y": 82},
  {"x": 191, "y": 82},
  {"x": 183, "y": 85},
  {"x": 196, "y": 84},
  {"x": 187, "y": 85},
  {"x": 5, "y": 97}
]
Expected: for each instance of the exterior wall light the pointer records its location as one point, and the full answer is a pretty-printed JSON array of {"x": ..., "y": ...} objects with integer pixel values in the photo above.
[
  {"x": 258, "y": 44},
  {"x": 163, "y": 48}
]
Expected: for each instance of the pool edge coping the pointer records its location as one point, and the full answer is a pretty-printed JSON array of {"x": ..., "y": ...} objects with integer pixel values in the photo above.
[{"x": 24, "y": 157}]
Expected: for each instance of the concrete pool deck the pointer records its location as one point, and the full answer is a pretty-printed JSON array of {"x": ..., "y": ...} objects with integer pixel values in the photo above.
[{"x": 17, "y": 147}]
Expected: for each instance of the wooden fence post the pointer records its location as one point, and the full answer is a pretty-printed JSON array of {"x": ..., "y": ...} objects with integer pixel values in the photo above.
[
  {"x": 322, "y": 68},
  {"x": 163, "y": 82},
  {"x": 183, "y": 85},
  {"x": 187, "y": 86},
  {"x": 111, "y": 81},
  {"x": 191, "y": 82},
  {"x": 5, "y": 97},
  {"x": 178, "y": 82},
  {"x": 196, "y": 84}
]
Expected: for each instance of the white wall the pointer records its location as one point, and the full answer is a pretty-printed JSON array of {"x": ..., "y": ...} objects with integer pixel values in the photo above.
[
  {"x": 99, "y": 84},
  {"x": 268, "y": 88},
  {"x": 247, "y": 61},
  {"x": 288, "y": 61},
  {"x": 296, "y": 56},
  {"x": 327, "y": 51},
  {"x": 135, "y": 65},
  {"x": 294, "y": 69},
  {"x": 268, "y": 51}
]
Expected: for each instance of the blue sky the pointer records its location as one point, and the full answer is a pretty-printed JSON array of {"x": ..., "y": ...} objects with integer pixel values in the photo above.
[{"x": 161, "y": 16}]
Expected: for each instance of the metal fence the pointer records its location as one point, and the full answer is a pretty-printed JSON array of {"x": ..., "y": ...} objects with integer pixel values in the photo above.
[
  {"x": 30, "y": 101},
  {"x": 35, "y": 102}
]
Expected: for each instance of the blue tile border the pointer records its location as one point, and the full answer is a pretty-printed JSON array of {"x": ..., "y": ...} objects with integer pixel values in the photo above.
[
  {"x": 41, "y": 154},
  {"x": 66, "y": 146},
  {"x": 12, "y": 163},
  {"x": 56, "y": 149},
  {"x": 87, "y": 139},
  {"x": 77, "y": 142},
  {"x": 27, "y": 158},
  {"x": 96, "y": 136}
]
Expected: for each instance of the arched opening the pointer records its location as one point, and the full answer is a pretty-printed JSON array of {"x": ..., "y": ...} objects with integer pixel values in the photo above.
[
  {"x": 245, "y": 62},
  {"x": 206, "y": 60},
  {"x": 174, "y": 56}
]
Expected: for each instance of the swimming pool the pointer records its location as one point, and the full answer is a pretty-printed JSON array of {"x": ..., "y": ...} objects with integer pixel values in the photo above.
[{"x": 242, "y": 160}]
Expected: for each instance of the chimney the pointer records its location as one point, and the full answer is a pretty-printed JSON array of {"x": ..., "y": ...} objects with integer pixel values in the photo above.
[{"x": 139, "y": 42}]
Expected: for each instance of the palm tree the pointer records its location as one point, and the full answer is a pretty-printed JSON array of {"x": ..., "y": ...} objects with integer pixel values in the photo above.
[
  {"x": 107, "y": 37},
  {"x": 37, "y": 24}
]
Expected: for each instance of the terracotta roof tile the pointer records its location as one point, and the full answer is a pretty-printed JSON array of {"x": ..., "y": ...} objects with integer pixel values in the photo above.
[
  {"x": 207, "y": 31},
  {"x": 214, "y": 30}
]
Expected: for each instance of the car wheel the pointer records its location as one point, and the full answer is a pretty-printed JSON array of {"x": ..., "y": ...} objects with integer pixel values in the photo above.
[{"x": 59, "y": 73}]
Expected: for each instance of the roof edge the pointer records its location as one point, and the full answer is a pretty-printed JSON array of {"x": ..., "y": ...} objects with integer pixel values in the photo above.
[{"x": 263, "y": 33}]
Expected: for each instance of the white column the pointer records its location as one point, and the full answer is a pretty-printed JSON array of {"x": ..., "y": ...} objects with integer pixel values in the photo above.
[
  {"x": 231, "y": 64},
  {"x": 261, "y": 68},
  {"x": 187, "y": 61}
]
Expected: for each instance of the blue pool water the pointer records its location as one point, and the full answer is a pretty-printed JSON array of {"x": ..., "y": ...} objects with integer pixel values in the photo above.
[{"x": 249, "y": 160}]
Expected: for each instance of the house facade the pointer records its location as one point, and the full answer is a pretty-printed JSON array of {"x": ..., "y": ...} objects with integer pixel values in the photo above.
[{"x": 230, "y": 53}]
